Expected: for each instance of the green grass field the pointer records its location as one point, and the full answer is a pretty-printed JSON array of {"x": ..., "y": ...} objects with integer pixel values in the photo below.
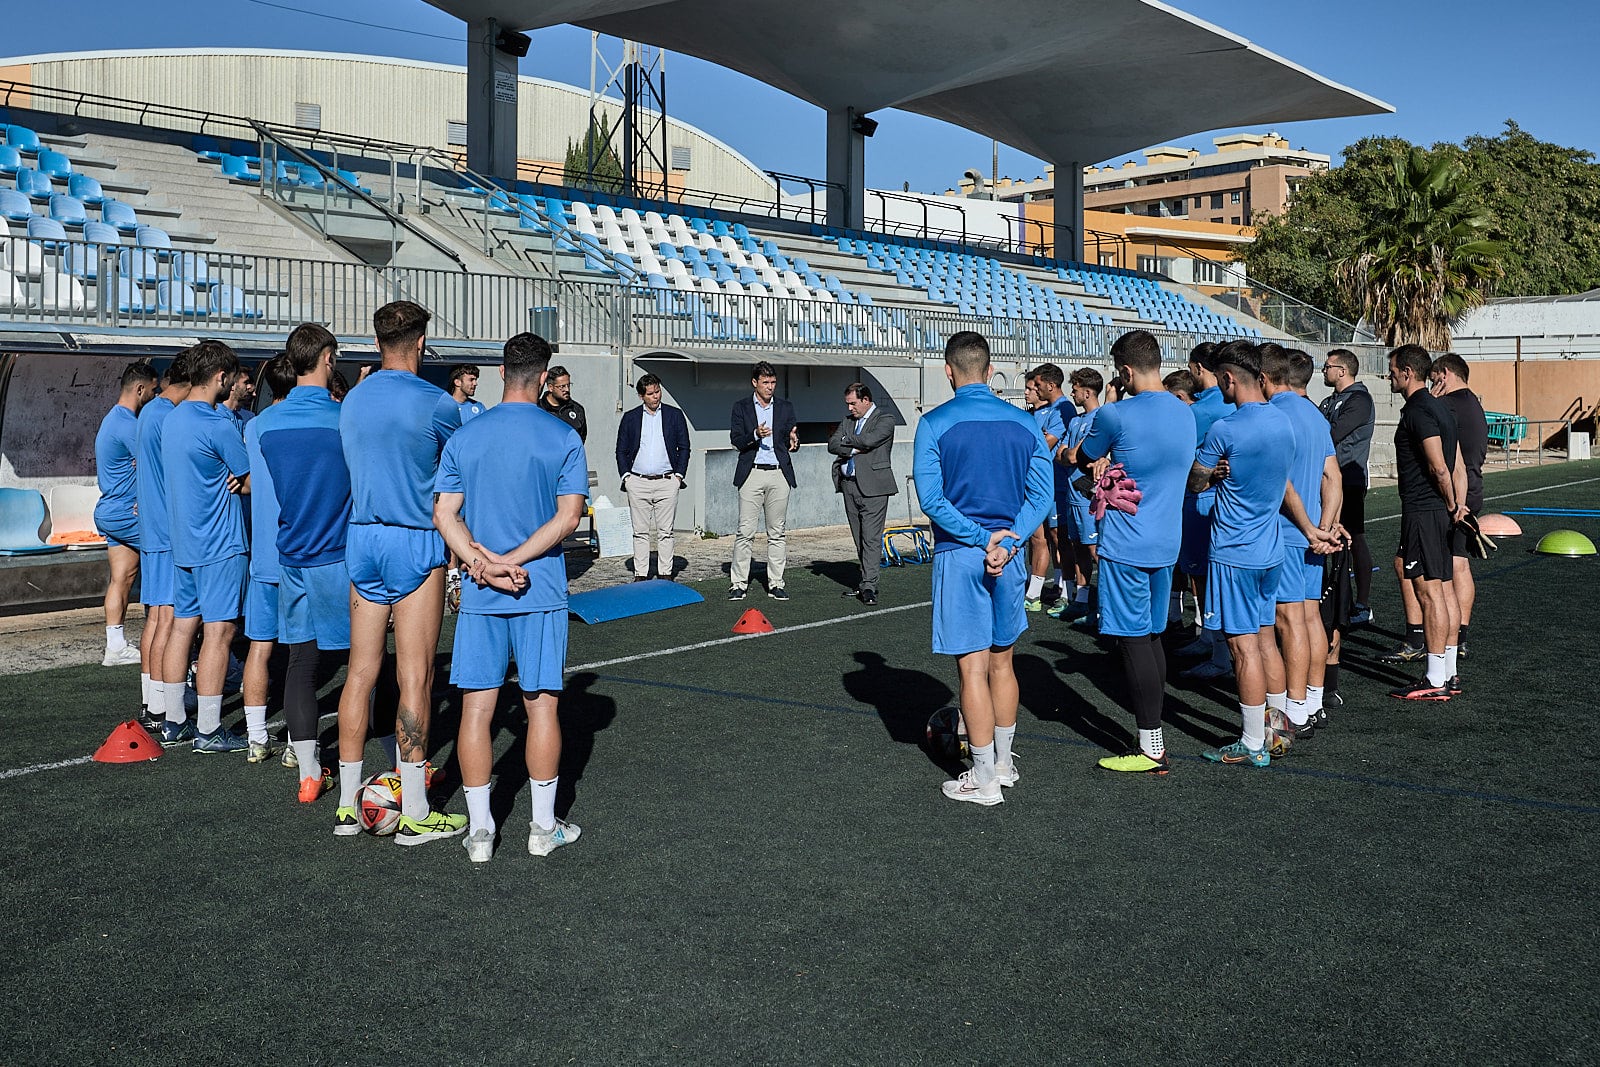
[{"x": 768, "y": 873}]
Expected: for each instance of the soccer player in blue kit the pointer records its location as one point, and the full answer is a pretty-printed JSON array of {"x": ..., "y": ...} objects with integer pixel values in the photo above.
[
  {"x": 116, "y": 513},
  {"x": 1208, "y": 407},
  {"x": 1151, "y": 434},
  {"x": 206, "y": 471},
  {"x": 1044, "y": 547},
  {"x": 1080, "y": 530},
  {"x": 392, "y": 427},
  {"x": 155, "y": 552},
  {"x": 982, "y": 473},
  {"x": 261, "y": 594},
  {"x": 512, "y": 486},
  {"x": 1244, "y": 457}
]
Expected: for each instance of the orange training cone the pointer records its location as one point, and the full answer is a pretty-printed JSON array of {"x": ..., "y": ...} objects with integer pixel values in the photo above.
[
  {"x": 752, "y": 622},
  {"x": 128, "y": 743}
]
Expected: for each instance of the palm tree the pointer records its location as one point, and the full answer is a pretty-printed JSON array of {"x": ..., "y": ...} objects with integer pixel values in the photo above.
[{"x": 1427, "y": 259}]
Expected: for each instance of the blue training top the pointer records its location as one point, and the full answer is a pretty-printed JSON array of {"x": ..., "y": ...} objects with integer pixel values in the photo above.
[
  {"x": 980, "y": 466},
  {"x": 469, "y": 409},
  {"x": 1244, "y": 522},
  {"x": 393, "y": 427},
  {"x": 201, "y": 447},
  {"x": 301, "y": 447},
  {"x": 263, "y": 511},
  {"x": 155, "y": 528},
  {"x": 1208, "y": 407},
  {"x": 1313, "y": 444},
  {"x": 1066, "y": 412},
  {"x": 1152, "y": 436},
  {"x": 116, "y": 446},
  {"x": 510, "y": 465}
]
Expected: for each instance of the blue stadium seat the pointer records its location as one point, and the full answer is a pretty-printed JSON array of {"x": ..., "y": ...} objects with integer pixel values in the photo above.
[
  {"x": 151, "y": 237},
  {"x": 131, "y": 299},
  {"x": 15, "y": 206},
  {"x": 55, "y": 164},
  {"x": 238, "y": 169},
  {"x": 23, "y": 140},
  {"x": 47, "y": 230},
  {"x": 100, "y": 233},
  {"x": 207, "y": 149},
  {"x": 116, "y": 213},
  {"x": 86, "y": 189},
  {"x": 21, "y": 519},
  {"x": 68, "y": 210},
  {"x": 192, "y": 267},
  {"x": 139, "y": 264},
  {"x": 349, "y": 178},
  {"x": 179, "y": 298},
  {"x": 10, "y": 161},
  {"x": 33, "y": 185},
  {"x": 229, "y": 302}
]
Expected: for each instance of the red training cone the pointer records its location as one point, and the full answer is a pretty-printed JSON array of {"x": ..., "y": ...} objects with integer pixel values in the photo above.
[
  {"x": 128, "y": 743},
  {"x": 752, "y": 622}
]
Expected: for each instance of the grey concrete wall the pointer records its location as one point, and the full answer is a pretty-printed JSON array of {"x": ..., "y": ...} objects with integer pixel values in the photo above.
[{"x": 813, "y": 501}]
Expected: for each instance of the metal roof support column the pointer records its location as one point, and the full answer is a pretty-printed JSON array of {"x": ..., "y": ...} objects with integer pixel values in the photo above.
[
  {"x": 847, "y": 170},
  {"x": 1068, "y": 237},
  {"x": 491, "y": 103}
]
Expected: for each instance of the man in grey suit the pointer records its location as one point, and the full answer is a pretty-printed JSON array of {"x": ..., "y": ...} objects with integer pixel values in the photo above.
[{"x": 861, "y": 472}]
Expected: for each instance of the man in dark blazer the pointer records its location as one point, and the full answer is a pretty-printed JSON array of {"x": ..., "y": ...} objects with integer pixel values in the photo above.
[
  {"x": 652, "y": 458},
  {"x": 762, "y": 427},
  {"x": 863, "y": 475}
]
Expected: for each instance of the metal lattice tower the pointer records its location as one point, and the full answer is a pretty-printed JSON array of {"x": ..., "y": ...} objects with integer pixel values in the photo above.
[{"x": 637, "y": 75}]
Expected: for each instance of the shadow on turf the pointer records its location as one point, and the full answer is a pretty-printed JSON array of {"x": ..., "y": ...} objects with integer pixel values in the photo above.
[
  {"x": 903, "y": 699},
  {"x": 846, "y": 574}
]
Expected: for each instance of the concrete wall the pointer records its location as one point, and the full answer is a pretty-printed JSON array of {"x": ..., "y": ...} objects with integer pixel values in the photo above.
[
  {"x": 813, "y": 501},
  {"x": 53, "y": 408}
]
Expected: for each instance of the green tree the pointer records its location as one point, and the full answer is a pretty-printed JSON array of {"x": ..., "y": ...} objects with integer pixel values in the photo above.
[
  {"x": 606, "y": 175},
  {"x": 1426, "y": 257}
]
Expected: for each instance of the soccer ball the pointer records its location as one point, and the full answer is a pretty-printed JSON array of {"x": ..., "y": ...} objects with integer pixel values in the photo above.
[
  {"x": 378, "y": 804},
  {"x": 947, "y": 734}
]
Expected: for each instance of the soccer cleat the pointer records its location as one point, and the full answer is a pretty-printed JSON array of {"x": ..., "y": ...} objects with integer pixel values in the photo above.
[
  {"x": 1200, "y": 646},
  {"x": 1361, "y": 616},
  {"x": 290, "y": 760},
  {"x": 479, "y": 845},
  {"x": 261, "y": 751},
  {"x": 736, "y": 592},
  {"x": 1136, "y": 763},
  {"x": 434, "y": 825},
  {"x": 220, "y": 741},
  {"x": 176, "y": 733},
  {"x": 1206, "y": 672},
  {"x": 1422, "y": 689},
  {"x": 777, "y": 593},
  {"x": 1461, "y": 650},
  {"x": 312, "y": 789},
  {"x": 1406, "y": 653},
  {"x": 1032, "y": 605},
  {"x": 151, "y": 724},
  {"x": 346, "y": 823},
  {"x": 1454, "y": 685},
  {"x": 542, "y": 842},
  {"x": 1006, "y": 773},
  {"x": 1329, "y": 700},
  {"x": 966, "y": 788},
  {"x": 125, "y": 656},
  {"x": 1056, "y": 610},
  {"x": 1238, "y": 753}
]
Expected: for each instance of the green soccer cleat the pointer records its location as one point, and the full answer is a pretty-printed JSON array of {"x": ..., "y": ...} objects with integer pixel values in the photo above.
[
  {"x": 1035, "y": 605},
  {"x": 1136, "y": 763},
  {"x": 431, "y": 827},
  {"x": 346, "y": 823},
  {"x": 1237, "y": 753}
]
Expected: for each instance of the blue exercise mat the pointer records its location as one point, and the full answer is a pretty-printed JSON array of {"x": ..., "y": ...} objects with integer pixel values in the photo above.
[
  {"x": 634, "y": 598},
  {"x": 1580, "y": 513}
]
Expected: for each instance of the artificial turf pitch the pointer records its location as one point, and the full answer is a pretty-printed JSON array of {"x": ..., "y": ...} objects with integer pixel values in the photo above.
[{"x": 768, "y": 872}]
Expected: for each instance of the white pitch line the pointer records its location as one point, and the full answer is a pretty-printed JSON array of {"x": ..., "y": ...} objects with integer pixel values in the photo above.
[
  {"x": 1519, "y": 492},
  {"x": 18, "y": 772}
]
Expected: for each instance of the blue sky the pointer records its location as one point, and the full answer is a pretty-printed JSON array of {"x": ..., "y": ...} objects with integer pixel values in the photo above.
[{"x": 1450, "y": 69}]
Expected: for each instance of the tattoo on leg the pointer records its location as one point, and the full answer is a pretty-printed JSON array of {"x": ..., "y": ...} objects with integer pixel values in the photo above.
[{"x": 411, "y": 735}]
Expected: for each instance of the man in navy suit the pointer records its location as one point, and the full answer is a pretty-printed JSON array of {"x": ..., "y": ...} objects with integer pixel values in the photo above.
[
  {"x": 762, "y": 427},
  {"x": 652, "y": 457}
]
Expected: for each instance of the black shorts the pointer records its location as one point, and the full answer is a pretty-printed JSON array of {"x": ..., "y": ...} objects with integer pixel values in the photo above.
[
  {"x": 1425, "y": 545},
  {"x": 1458, "y": 542},
  {"x": 1353, "y": 513}
]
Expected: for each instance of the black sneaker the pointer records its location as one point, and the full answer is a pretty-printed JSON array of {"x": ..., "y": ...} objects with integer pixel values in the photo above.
[
  {"x": 777, "y": 593},
  {"x": 151, "y": 724},
  {"x": 736, "y": 593},
  {"x": 1331, "y": 700},
  {"x": 1454, "y": 685},
  {"x": 1406, "y": 653},
  {"x": 869, "y": 598},
  {"x": 1461, "y": 650},
  {"x": 1422, "y": 689}
]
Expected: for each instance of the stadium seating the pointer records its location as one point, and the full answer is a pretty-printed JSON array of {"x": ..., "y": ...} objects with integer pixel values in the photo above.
[
  {"x": 12, "y": 295},
  {"x": 72, "y": 517},
  {"x": 115, "y": 213},
  {"x": 178, "y": 297},
  {"x": 152, "y": 237},
  {"x": 46, "y": 230},
  {"x": 54, "y": 164},
  {"x": 15, "y": 206},
  {"x": 86, "y": 189},
  {"x": 68, "y": 210},
  {"x": 63, "y": 292},
  {"x": 131, "y": 298},
  {"x": 34, "y": 185},
  {"x": 22, "y": 259},
  {"x": 10, "y": 161},
  {"x": 23, "y": 140},
  {"x": 238, "y": 169},
  {"x": 227, "y": 301},
  {"x": 21, "y": 519}
]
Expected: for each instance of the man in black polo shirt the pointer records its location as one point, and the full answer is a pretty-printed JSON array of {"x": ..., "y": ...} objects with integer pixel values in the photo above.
[
  {"x": 1432, "y": 498},
  {"x": 1449, "y": 380},
  {"x": 1350, "y": 414},
  {"x": 557, "y": 400}
]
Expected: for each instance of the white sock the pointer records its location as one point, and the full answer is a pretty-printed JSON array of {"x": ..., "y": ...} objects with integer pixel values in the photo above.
[
  {"x": 478, "y": 817},
  {"x": 1278, "y": 701},
  {"x": 1438, "y": 668},
  {"x": 414, "y": 790},
  {"x": 1003, "y": 736},
  {"x": 144, "y": 691},
  {"x": 349, "y": 780},
  {"x": 1151, "y": 743},
  {"x": 208, "y": 715},
  {"x": 1313, "y": 699},
  {"x": 155, "y": 698},
  {"x": 310, "y": 763},
  {"x": 1254, "y": 717},
  {"x": 116, "y": 638},
  {"x": 1298, "y": 711},
  {"x": 983, "y": 763},
  {"x": 544, "y": 804},
  {"x": 1449, "y": 661},
  {"x": 255, "y": 723},
  {"x": 1035, "y": 587},
  {"x": 176, "y": 712},
  {"x": 391, "y": 750}
]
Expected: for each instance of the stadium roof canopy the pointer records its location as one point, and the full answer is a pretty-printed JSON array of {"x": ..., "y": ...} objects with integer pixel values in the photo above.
[{"x": 1070, "y": 81}]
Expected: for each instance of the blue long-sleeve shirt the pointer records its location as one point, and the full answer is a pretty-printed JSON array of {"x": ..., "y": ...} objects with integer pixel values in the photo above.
[
  {"x": 980, "y": 466},
  {"x": 303, "y": 451}
]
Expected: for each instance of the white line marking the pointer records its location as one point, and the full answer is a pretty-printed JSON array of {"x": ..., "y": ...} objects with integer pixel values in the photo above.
[
  {"x": 18, "y": 772},
  {"x": 1520, "y": 492}
]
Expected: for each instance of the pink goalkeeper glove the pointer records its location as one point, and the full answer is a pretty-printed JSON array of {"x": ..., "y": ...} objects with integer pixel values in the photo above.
[{"x": 1117, "y": 492}]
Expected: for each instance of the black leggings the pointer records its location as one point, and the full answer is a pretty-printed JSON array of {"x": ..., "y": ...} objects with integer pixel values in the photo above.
[
  {"x": 300, "y": 692},
  {"x": 1144, "y": 662}
]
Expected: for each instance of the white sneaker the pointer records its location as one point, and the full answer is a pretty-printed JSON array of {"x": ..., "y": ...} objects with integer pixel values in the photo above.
[
  {"x": 966, "y": 788},
  {"x": 1206, "y": 671},
  {"x": 542, "y": 842},
  {"x": 125, "y": 656},
  {"x": 479, "y": 845},
  {"x": 290, "y": 760},
  {"x": 1006, "y": 773}
]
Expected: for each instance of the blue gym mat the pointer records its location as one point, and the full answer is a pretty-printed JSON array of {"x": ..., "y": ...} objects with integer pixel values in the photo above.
[
  {"x": 1580, "y": 513},
  {"x": 634, "y": 598}
]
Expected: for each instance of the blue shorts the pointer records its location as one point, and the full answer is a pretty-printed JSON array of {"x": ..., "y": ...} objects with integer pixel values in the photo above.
[
  {"x": 314, "y": 605},
  {"x": 125, "y": 534},
  {"x": 1133, "y": 600},
  {"x": 213, "y": 591},
  {"x": 261, "y": 611},
  {"x": 537, "y": 640},
  {"x": 388, "y": 563},
  {"x": 1196, "y": 548},
  {"x": 1082, "y": 529},
  {"x": 1053, "y": 519},
  {"x": 973, "y": 611},
  {"x": 1240, "y": 600},
  {"x": 155, "y": 579},
  {"x": 1299, "y": 576}
]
